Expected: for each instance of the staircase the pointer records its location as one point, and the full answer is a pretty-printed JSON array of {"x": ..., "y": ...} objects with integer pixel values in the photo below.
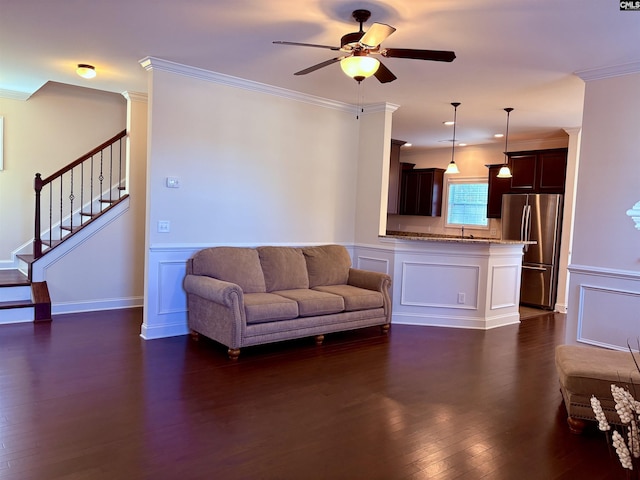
[{"x": 67, "y": 202}]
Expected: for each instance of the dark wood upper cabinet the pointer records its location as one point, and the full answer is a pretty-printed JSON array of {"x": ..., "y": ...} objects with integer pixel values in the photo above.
[
  {"x": 497, "y": 188},
  {"x": 552, "y": 168},
  {"x": 395, "y": 177},
  {"x": 421, "y": 191},
  {"x": 523, "y": 171},
  {"x": 537, "y": 171}
]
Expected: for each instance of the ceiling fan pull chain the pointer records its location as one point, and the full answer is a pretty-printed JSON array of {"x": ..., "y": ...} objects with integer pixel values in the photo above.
[{"x": 360, "y": 100}]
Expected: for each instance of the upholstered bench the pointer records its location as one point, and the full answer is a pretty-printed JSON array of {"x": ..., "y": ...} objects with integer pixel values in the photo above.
[{"x": 586, "y": 371}]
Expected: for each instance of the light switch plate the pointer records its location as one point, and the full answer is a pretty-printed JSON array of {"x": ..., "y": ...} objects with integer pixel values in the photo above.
[
  {"x": 164, "y": 226},
  {"x": 173, "y": 182}
]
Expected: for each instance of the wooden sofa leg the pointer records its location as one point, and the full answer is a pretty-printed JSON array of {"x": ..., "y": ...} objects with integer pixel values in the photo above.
[
  {"x": 233, "y": 353},
  {"x": 385, "y": 328},
  {"x": 319, "y": 339},
  {"x": 194, "y": 335},
  {"x": 576, "y": 425}
]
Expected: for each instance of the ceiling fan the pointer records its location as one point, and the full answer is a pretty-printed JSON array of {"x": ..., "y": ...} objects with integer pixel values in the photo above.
[{"x": 357, "y": 46}]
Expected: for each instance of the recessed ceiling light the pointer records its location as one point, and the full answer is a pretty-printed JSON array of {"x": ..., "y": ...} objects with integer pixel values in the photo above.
[
  {"x": 408, "y": 145},
  {"x": 499, "y": 135},
  {"x": 462, "y": 144},
  {"x": 448, "y": 122},
  {"x": 86, "y": 70}
]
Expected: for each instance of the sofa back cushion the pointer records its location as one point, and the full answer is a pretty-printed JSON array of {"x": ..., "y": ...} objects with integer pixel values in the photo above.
[
  {"x": 232, "y": 264},
  {"x": 327, "y": 265},
  {"x": 284, "y": 268}
]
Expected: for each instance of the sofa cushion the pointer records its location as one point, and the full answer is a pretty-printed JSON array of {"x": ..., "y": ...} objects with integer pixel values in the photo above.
[
  {"x": 327, "y": 265},
  {"x": 232, "y": 264},
  {"x": 267, "y": 307},
  {"x": 355, "y": 298},
  {"x": 312, "y": 302},
  {"x": 284, "y": 268}
]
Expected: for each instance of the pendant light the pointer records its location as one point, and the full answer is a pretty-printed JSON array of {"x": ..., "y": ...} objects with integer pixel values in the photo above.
[
  {"x": 452, "y": 167},
  {"x": 505, "y": 172}
]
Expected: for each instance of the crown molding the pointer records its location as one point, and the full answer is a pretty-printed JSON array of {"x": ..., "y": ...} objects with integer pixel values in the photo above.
[
  {"x": 14, "y": 94},
  {"x": 135, "y": 96},
  {"x": 608, "y": 72},
  {"x": 380, "y": 107},
  {"x": 153, "y": 63}
]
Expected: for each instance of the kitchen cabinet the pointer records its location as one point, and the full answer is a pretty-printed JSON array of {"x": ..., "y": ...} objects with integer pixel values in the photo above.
[
  {"x": 552, "y": 166},
  {"x": 497, "y": 188},
  {"x": 539, "y": 171},
  {"x": 421, "y": 191},
  {"x": 536, "y": 171},
  {"x": 395, "y": 177},
  {"x": 523, "y": 171}
]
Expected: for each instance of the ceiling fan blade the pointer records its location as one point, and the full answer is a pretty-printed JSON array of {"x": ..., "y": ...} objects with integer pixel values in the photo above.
[
  {"x": 278, "y": 42},
  {"x": 376, "y": 34},
  {"x": 384, "y": 75},
  {"x": 319, "y": 66},
  {"x": 435, "y": 55}
]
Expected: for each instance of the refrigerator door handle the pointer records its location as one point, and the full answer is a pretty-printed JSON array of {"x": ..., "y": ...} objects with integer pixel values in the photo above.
[
  {"x": 525, "y": 226},
  {"x": 538, "y": 269}
]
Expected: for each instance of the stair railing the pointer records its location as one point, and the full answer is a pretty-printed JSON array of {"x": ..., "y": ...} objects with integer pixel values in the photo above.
[{"x": 77, "y": 193}]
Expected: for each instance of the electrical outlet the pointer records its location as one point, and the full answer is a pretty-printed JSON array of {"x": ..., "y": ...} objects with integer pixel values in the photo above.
[
  {"x": 164, "y": 226},
  {"x": 494, "y": 232},
  {"x": 460, "y": 297}
]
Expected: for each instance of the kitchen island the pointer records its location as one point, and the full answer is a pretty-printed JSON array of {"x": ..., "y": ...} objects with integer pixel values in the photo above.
[{"x": 454, "y": 281}]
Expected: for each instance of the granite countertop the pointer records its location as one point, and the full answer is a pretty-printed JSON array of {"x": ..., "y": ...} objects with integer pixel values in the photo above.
[{"x": 432, "y": 237}]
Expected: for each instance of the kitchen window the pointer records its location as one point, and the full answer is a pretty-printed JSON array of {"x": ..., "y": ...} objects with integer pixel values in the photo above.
[{"x": 467, "y": 202}]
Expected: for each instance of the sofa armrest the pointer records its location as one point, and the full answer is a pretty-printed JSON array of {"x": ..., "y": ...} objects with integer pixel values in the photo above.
[
  {"x": 215, "y": 309},
  {"x": 370, "y": 280},
  {"x": 380, "y": 282},
  {"x": 214, "y": 290}
]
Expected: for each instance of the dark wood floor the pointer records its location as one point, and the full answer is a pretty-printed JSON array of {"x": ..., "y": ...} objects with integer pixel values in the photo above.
[{"x": 84, "y": 397}]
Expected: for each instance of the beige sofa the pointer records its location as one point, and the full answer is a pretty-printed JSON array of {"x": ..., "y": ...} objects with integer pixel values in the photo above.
[{"x": 249, "y": 296}]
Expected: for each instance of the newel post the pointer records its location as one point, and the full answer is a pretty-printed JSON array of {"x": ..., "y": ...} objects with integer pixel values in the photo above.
[{"x": 37, "y": 241}]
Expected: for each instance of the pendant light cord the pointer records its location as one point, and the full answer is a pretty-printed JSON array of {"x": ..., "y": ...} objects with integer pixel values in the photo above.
[
  {"x": 455, "y": 122},
  {"x": 506, "y": 136}
]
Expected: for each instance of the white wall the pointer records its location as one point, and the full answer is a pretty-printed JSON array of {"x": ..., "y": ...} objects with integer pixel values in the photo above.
[
  {"x": 604, "y": 286},
  {"x": 255, "y": 165}
]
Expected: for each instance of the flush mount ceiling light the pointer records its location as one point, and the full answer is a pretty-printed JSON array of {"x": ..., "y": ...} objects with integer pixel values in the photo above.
[
  {"x": 86, "y": 70},
  {"x": 452, "y": 167},
  {"x": 359, "y": 67},
  {"x": 505, "y": 172}
]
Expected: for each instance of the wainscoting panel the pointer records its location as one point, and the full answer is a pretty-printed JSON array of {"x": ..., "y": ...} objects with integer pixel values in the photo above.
[
  {"x": 455, "y": 286},
  {"x": 604, "y": 307},
  {"x": 505, "y": 290},
  {"x": 165, "y": 310},
  {"x": 380, "y": 265},
  {"x": 170, "y": 278},
  {"x": 597, "y": 325}
]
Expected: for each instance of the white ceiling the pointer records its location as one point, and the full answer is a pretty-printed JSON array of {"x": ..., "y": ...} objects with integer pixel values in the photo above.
[{"x": 510, "y": 53}]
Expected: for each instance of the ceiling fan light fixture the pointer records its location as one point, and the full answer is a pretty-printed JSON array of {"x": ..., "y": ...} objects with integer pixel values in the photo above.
[
  {"x": 359, "y": 67},
  {"x": 86, "y": 70}
]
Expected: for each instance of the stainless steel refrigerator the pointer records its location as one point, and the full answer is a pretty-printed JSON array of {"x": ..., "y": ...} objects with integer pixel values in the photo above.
[{"x": 535, "y": 217}]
